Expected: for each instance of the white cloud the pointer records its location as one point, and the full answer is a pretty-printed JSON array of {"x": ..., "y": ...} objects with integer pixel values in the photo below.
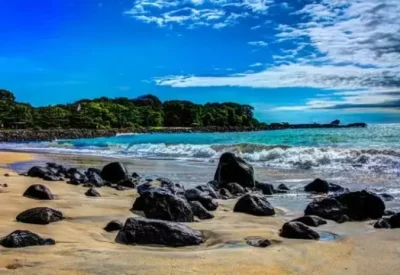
[
  {"x": 258, "y": 43},
  {"x": 258, "y": 64}
]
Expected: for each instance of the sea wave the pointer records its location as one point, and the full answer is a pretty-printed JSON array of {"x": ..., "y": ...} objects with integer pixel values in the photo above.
[{"x": 280, "y": 156}]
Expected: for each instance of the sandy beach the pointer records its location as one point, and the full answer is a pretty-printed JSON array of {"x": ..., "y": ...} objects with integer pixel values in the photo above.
[{"x": 83, "y": 247}]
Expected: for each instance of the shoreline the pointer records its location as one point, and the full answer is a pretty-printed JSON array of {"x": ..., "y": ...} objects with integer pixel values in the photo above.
[
  {"x": 84, "y": 248},
  {"x": 30, "y": 135}
]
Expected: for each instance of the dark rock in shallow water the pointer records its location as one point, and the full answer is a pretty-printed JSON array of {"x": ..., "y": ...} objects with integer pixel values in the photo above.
[
  {"x": 395, "y": 221},
  {"x": 233, "y": 188},
  {"x": 196, "y": 195},
  {"x": 92, "y": 192},
  {"x": 254, "y": 205},
  {"x": 327, "y": 208},
  {"x": 160, "y": 203},
  {"x": 283, "y": 187},
  {"x": 225, "y": 194},
  {"x": 317, "y": 186},
  {"x": 113, "y": 226},
  {"x": 39, "y": 192},
  {"x": 128, "y": 183},
  {"x": 362, "y": 205},
  {"x": 313, "y": 221},
  {"x": 199, "y": 211},
  {"x": 144, "y": 231},
  {"x": 258, "y": 242},
  {"x": 114, "y": 172},
  {"x": 135, "y": 175},
  {"x": 208, "y": 190},
  {"x": 382, "y": 223},
  {"x": 234, "y": 169},
  {"x": 266, "y": 188},
  {"x": 389, "y": 213},
  {"x": 24, "y": 238},
  {"x": 298, "y": 230},
  {"x": 386, "y": 197},
  {"x": 40, "y": 215},
  {"x": 337, "y": 188}
]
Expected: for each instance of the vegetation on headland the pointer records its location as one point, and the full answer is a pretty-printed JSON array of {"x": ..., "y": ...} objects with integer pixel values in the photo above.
[{"x": 104, "y": 113}]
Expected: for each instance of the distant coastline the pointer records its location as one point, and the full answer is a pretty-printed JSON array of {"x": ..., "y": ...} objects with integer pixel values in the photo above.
[{"x": 34, "y": 135}]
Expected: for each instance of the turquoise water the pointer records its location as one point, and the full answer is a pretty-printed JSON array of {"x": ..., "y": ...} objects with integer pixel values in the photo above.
[{"x": 375, "y": 148}]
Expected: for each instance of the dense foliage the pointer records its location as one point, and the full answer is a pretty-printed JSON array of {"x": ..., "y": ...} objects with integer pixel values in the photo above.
[{"x": 106, "y": 113}]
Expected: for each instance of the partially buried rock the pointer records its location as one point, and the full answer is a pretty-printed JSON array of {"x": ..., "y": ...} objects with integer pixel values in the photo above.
[
  {"x": 155, "y": 232},
  {"x": 328, "y": 208},
  {"x": 113, "y": 226},
  {"x": 232, "y": 168},
  {"x": 39, "y": 192},
  {"x": 160, "y": 203},
  {"x": 92, "y": 192},
  {"x": 382, "y": 223},
  {"x": 317, "y": 186},
  {"x": 312, "y": 221},
  {"x": 114, "y": 172},
  {"x": 199, "y": 211},
  {"x": 258, "y": 242},
  {"x": 254, "y": 205},
  {"x": 40, "y": 215},
  {"x": 196, "y": 195},
  {"x": 24, "y": 238},
  {"x": 266, "y": 188},
  {"x": 298, "y": 230}
]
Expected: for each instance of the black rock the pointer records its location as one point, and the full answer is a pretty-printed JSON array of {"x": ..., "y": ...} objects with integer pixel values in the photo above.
[
  {"x": 92, "y": 192},
  {"x": 196, "y": 195},
  {"x": 234, "y": 188},
  {"x": 389, "y": 213},
  {"x": 395, "y": 221},
  {"x": 199, "y": 211},
  {"x": 208, "y": 190},
  {"x": 39, "y": 192},
  {"x": 77, "y": 177},
  {"x": 114, "y": 172},
  {"x": 258, "y": 242},
  {"x": 128, "y": 183},
  {"x": 121, "y": 188},
  {"x": 91, "y": 171},
  {"x": 386, "y": 197},
  {"x": 298, "y": 230},
  {"x": 135, "y": 175},
  {"x": 317, "y": 186},
  {"x": 174, "y": 188},
  {"x": 225, "y": 194},
  {"x": 24, "y": 238},
  {"x": 266, "y": 188},
  {"x": 38, "y": 172},
  {"x": 143, "y": 187},
  {"x": 283, "y": 187},
  {"x": 113, "y": 226},
  {"x": 155, "y": 232},
  {"x": 160, "y": 203},
  {"x": 337, "y": 188},
  {"x": 165, "y": 182},
  {"x": 57, "y": 168},
  {"x": 95, "y": 179},
  {"x": 362, "y": 205},
  {"x": 328, "y": 208},
  {"x": 234, "y": 169},
  {"x": 214, "y": 185},
  {"x": 40, "y": 215},
  {"x": 382, "y": 223},
  {"x": 254, "y": 205},
  {"x": 313, "y": 221},
  {"x": 50, "y": 177},
  {"x": 6, "y": 174}
]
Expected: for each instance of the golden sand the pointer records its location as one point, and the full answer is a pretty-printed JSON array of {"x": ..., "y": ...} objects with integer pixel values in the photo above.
[{"x": 83, "y": 247}]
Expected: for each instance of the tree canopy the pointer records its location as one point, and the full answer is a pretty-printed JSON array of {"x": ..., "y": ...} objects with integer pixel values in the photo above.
[{"x": 107, "y": 113}]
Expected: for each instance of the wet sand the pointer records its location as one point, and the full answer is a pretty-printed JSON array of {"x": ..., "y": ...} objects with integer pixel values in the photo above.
[{"x": 84, "y": 248}]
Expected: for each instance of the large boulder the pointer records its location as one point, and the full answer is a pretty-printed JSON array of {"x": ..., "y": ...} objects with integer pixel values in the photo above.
[
  {"x": 362, "y": 205},
  {"x": 114, "y": 172},
  {"x": 298, "y": 230},
  {"x": 254, "y": 205},
  {"x": 38, "y": 192},
  {"x": 24, "y": 238},
  {"x": 145, "y": 231},
  {"x": 40, "y": 215},
  {"x": 160, "y": 203},
  {"x": 114, "y": 225},
  {"x": 317, "y": 186},
  {"x": 196, "y": 195},
  {"x": 328, "y": 208},
  {"x": 313, "y": 221},
  {"x": 232, "y": 168},
  {"x": 199, "y": 211},
  {"x": 395, "y": 221}
]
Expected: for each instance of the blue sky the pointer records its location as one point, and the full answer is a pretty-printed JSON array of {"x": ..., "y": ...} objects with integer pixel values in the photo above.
[{"x": 296, "y": 61}]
